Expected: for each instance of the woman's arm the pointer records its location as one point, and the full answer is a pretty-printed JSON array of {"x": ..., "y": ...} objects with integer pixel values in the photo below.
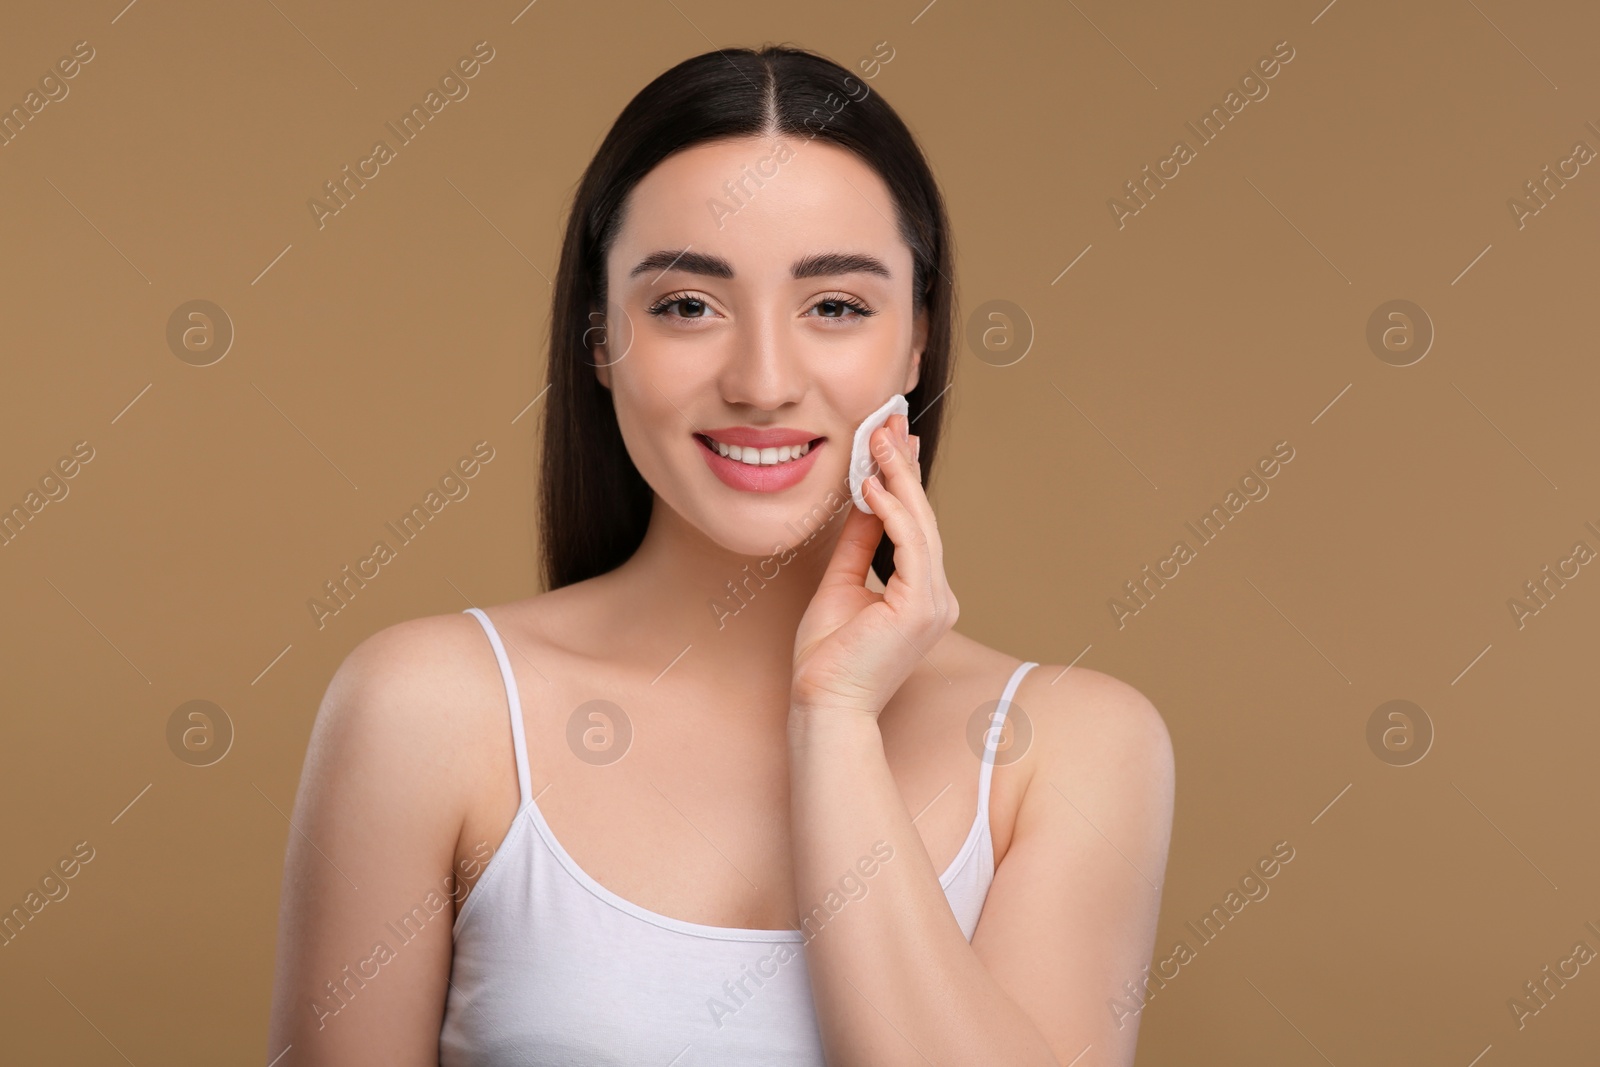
[
  {"x": 1070, "y": 917},
  {"x": 1071, "y": 914},
  {"x": 364, "y": 942},
  {"x": 1070, "y": 921}
]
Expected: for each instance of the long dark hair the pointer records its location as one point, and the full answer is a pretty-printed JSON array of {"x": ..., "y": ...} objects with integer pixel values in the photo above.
[{"x": 594, "y": 506}]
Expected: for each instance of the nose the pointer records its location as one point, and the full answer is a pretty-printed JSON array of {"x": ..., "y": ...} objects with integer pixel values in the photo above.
[{"x": 765, "y": 366}]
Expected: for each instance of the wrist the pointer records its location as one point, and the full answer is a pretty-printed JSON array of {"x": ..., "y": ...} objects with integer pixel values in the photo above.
[{"x": 813, "y": 725}]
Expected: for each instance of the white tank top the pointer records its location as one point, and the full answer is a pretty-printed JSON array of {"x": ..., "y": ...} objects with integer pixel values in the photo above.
[{"x": 551, "y": 967}]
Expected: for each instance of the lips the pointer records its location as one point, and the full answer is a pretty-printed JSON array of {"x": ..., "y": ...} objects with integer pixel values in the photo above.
[
  {"x": 760, "y": 437},
  {"x": 764, "y": 477}
]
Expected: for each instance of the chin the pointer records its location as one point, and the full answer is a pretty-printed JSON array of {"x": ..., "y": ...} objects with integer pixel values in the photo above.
[{"x": 778, "y": 524}]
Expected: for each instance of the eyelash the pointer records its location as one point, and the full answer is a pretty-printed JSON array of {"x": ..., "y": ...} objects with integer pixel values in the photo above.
[{"x": 660, "y": 306}]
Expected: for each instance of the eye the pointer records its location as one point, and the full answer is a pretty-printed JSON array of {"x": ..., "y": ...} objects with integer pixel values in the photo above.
[
  {"x": 836, "y": 306},
  {"x": 697, "y": 308},
  {"x": 690, "y": 306}
]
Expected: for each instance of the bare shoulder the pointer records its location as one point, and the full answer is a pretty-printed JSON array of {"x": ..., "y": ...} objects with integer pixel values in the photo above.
[
  {"x": 1080, "y": 724},
  {"x": 416, "y": 666},
  {"x": 412, "y": 697},
  {"x": 1089, "y": 719},
  {"x": 1101, "y": 747},
  {"x": 377, "y": 819}
]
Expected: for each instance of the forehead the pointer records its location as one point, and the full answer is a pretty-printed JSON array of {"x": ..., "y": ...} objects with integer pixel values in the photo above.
[{"x": 740, "y": 201}]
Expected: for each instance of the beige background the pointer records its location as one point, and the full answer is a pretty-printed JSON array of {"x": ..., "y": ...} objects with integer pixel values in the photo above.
[{"x": 1228, "y": 315}]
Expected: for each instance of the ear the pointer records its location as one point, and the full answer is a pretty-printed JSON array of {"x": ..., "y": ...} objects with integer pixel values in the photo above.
[
  {"x": 919, "y": 341},
  {"x": 595, "y": 341}
]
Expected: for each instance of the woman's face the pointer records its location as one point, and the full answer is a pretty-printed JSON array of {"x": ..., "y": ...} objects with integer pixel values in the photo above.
[{"x": 759, "y": 295}]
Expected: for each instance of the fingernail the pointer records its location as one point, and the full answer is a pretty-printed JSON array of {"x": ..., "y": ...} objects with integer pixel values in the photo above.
[{"x": 916, "y": 448}]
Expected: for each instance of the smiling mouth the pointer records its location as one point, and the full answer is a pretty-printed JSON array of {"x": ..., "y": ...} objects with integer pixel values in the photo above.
[{"x": 759, "y": 457}]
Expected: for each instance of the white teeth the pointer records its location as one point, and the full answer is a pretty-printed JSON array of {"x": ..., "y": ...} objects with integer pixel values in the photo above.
[{"x": 760, "y": 457}]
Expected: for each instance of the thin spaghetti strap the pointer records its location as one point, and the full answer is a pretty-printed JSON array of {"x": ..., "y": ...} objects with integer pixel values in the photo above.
[
  {"x": 992, "y": 735},
  {"x": 519, "y": 742}
]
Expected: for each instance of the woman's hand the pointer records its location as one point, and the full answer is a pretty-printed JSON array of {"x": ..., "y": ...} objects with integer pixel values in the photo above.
[{"x": 854, "y": 648}]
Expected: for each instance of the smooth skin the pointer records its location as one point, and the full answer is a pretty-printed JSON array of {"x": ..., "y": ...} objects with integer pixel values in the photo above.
[{"x": 772, "y": 746}]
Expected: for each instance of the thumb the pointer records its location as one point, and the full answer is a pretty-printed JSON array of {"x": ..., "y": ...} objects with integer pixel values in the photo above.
[{"x": 852, "y": 555}]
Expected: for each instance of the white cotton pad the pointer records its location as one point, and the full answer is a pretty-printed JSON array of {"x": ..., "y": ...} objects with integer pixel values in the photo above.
[{"x": 862, "y": 463}]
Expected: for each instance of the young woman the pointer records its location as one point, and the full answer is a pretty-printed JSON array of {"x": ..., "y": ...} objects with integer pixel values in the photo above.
[{"x": 732, "y": 791}]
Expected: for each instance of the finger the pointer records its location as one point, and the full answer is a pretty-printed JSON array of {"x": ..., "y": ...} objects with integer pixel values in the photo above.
[
  {"x": 852, "y": 555},
  {"x": 904, "y": 479},
  {"x": 912, "y": 561},
  {"x": 911, "y": 484},
  {"x": 896, "y": 460}
]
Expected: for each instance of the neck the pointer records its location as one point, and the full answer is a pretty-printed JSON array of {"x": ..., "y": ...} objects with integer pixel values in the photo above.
[{"x": 737, "y": 614}]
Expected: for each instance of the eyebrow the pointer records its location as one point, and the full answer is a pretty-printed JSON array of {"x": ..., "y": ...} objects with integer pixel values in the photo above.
[{"x": 818, "y": 264}]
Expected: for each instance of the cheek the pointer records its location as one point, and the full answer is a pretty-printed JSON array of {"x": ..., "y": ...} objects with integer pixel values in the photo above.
[
  {"x": 650, "y": 407},
  {"x": 637, "y": 419}
]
